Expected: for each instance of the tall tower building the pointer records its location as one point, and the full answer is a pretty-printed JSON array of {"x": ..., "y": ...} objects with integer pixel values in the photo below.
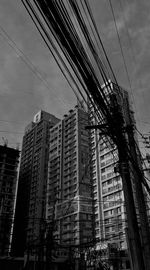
[
  {"x": 30, "y": 204},
  {"x": 109, "y": 205},
  {"x": 70, "y": 203},
  {"x": 9, "y": 159}
]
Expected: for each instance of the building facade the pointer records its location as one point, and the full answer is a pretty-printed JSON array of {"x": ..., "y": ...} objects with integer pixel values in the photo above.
[
  {"x": 69, "y": 202},
  {"x": 108, "y": 193},
  {"x": 31, "y": 196},
  {"x": 9, "y": 159},
  {"x": 109, "y": 205}
]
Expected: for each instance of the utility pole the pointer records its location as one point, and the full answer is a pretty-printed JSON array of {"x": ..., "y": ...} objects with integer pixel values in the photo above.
[
  {"x": 132, "y": 178},
  {"x": 135, "y": 240},
  {"x": 140, "y": 200}
]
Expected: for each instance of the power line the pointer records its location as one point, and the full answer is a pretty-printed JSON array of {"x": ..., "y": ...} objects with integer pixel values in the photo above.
[
  {"x": 122, "y": 52},
  {"x": 11, "y": 132},
  {"x": 26, "y": 60}
]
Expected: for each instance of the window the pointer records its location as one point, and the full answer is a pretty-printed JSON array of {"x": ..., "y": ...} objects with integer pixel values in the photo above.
[{"x": 103, "y": 170}]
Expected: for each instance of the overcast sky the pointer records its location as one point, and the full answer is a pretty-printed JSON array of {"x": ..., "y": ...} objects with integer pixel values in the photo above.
[{"x": 22, "y": 90}]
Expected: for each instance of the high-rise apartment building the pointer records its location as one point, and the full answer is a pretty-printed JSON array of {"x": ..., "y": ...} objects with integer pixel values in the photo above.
[
  {"x": 70, "y": 202},
  {"x": 31, "y": 195},
  {"x": 109, "y": 204},
  {"x": 9, "y": 158}
]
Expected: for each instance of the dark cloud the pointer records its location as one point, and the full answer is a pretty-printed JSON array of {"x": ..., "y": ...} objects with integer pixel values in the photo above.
[{"x": 28, "y": 87}]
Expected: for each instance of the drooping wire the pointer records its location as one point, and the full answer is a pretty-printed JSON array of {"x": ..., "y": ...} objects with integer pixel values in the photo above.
[
  {"x": 26, "y": 60},
  {"x": 122, "y": 53}
]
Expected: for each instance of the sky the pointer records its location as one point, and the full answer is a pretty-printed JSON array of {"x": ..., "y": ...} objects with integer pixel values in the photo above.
[{"x": 30, "y": 79}]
